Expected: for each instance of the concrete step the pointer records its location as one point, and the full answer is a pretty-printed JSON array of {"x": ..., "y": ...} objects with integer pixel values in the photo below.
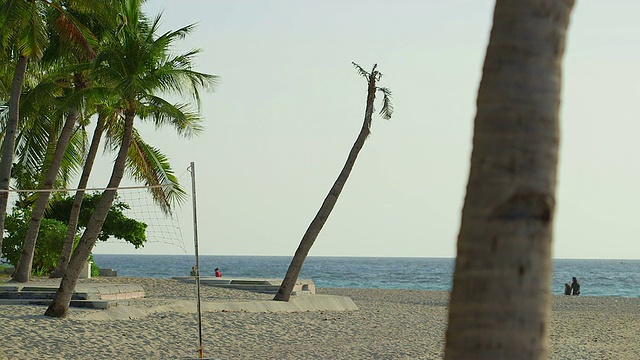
[
  {"x": 35, "y": 295},
  {"x": 91, "y": 295},
  {"x": 90, "y": 304}
]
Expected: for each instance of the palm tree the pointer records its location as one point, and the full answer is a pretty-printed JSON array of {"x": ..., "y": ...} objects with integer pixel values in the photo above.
[
  {"x": 49, "y": 175},
  {"x": 23, "y": 34},
  {"x": 145, "y": 163},
  {"x": 67, "y": 245},
  {"x": 137, "y": 66},
  {"x": 500, "y": 300},
  {"x": 47, "y": 139},
  {"x": 40, "y": 124},
  {"x": 60, "y": 51},
  {"x": 75, "y": 101},
  {"x": 309, "y": 237}
]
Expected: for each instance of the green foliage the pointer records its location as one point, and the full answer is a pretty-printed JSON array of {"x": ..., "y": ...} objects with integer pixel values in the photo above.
[
  {"x": 116, "y": 224},
  {"x": 48, "y": 244},
  {"x": 95, "y": 270},
  {"x": 54, "y": 227}
]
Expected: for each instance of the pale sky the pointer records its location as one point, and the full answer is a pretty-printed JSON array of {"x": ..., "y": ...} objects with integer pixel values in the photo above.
[{"x": 290, "y": 105}]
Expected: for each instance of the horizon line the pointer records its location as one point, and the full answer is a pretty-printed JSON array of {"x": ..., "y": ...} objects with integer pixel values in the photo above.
[{"x": 354, "y": 256}]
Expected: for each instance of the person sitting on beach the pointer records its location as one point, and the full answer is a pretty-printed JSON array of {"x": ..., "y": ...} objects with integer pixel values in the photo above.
[
  {"x": 218, "y": 273},
  {"x": 567, "y": 289},
  {"x": 575, "y": 286},
  {"x": 193, "y": 271}
]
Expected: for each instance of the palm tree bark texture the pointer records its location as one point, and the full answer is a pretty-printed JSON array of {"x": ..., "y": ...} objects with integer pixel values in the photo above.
[
  {"x": 500, "y": 301},
  {"x": 23, "y": 270},
  {"x": 309, "y": 237},
  {"x": 67, "y": 245},
  {"x": 10, "y": 139}
]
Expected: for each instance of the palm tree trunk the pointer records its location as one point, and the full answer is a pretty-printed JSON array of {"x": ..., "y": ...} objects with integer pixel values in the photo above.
[
  {"x": 500, "y": 301},
  {"x": 67, "y": 246},
  {"x": 60, "y": 304},
  {"x": 9, "y": 142},
  {"x": 23, "y": 269},
  {"x": 289, "y": 281}
]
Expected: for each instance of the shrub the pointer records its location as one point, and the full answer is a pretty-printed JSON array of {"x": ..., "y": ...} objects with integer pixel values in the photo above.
[{"x": 48, "y": 245}]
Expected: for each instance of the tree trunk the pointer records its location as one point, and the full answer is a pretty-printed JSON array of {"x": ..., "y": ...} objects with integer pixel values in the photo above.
[
  {"x": 9, "y": 142},
  {"x": 60, "y": 304},
  {"x": 67, "y": 246},
  {"x": 500, "y": 300},
  {"x": 289, "y": 281},
  {"x": 23, "y": 270}
]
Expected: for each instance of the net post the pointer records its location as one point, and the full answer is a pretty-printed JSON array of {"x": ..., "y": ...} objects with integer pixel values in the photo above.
[{"x": 192, "y": 168}]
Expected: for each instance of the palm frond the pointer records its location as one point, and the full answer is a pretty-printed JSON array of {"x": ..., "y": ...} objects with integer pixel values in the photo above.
[
  {"x": 4, "y": 112},
  {"x": 32, "y": 140},
  {"x": 147, "y": 164},
  {"x": 7, "y": 69},
  {"x": 38, "y": 120},
  {"x": 113, "y": 128},
  {"x": 75, "y": 154},
  {"x": 175, "y": 76},
  {"x": 74, "y": 34},
  {"x": 187, "y": 123},
  {"x": 387, "y": 106},
  {"x": 33, "y": 39},
  {"x": 361, "y": 71},
  {"x": 38, "y": 99},
  {"x": 138, "y": 67},
  {"x": 12, "y": 20},
  {"x": 163, "y": 43},
  {"x": 24, "y": 179}
]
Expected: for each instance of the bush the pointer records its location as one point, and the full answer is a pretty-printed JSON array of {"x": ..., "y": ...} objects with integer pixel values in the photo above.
[
  {"x": 95, "y": 270},
  {"x": 53, "y": 230},
  {"x": 48, "y": 245},
  {"x": 116, "y": 224}
]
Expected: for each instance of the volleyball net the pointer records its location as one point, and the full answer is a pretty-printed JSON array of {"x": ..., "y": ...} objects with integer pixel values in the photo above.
[{"x": 162, "y": 227}]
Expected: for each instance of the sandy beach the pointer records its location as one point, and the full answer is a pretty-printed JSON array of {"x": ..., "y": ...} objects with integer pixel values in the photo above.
[{"x": 389, "y": 324}]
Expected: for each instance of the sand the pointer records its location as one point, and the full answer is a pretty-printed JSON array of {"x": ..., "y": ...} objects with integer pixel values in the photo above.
[{"x": 390, "y": 324}]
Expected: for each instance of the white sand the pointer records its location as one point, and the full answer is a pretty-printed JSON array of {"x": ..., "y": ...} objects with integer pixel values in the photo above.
[{"x": 390, "y": 324}]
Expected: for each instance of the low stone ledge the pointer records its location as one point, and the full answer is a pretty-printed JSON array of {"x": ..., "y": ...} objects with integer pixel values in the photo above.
[
  {"x": 269, "y": 286},
  {"x": 107, "y": 272}
]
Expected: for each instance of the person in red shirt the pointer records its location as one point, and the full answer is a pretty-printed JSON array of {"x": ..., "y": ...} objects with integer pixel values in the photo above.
[{"x": 218, "y": 273}]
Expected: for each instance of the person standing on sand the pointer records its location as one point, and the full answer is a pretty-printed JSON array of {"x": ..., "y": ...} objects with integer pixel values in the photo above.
[
  {"x": 575, "y": 286},
  {"x": 219, "y": 274},
  {"x": 567, "y": 289},
  {"x": 193, "y": 271}
]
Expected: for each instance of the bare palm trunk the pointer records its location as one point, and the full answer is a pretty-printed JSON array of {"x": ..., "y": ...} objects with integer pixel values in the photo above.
[
  {"x": 60, "y": 304},
  {"x": 23, "y": 270},
  {"x": 9, "y": 142},
  {"x": 500, "y": 300},
  {"x": 289, "y": 281},
  {"x": 67, "y": 246}
]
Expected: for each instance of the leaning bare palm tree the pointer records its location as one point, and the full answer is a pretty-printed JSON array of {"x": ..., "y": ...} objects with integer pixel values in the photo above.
[
  {"x": 137, "y": 66},
  {"x": 309, "y": 237},
  {"x": 500, "y": 300}
]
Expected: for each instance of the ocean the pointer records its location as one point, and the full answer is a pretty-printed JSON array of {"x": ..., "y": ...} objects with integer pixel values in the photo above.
[{"x": 597, "y": 277}]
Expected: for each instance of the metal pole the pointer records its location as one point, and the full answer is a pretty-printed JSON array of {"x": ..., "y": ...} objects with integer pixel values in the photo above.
[{"x": 195, "y": 241}]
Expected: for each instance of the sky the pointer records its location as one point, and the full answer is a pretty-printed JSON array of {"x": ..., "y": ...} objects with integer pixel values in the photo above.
[{"x": 289, "y": 106}]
